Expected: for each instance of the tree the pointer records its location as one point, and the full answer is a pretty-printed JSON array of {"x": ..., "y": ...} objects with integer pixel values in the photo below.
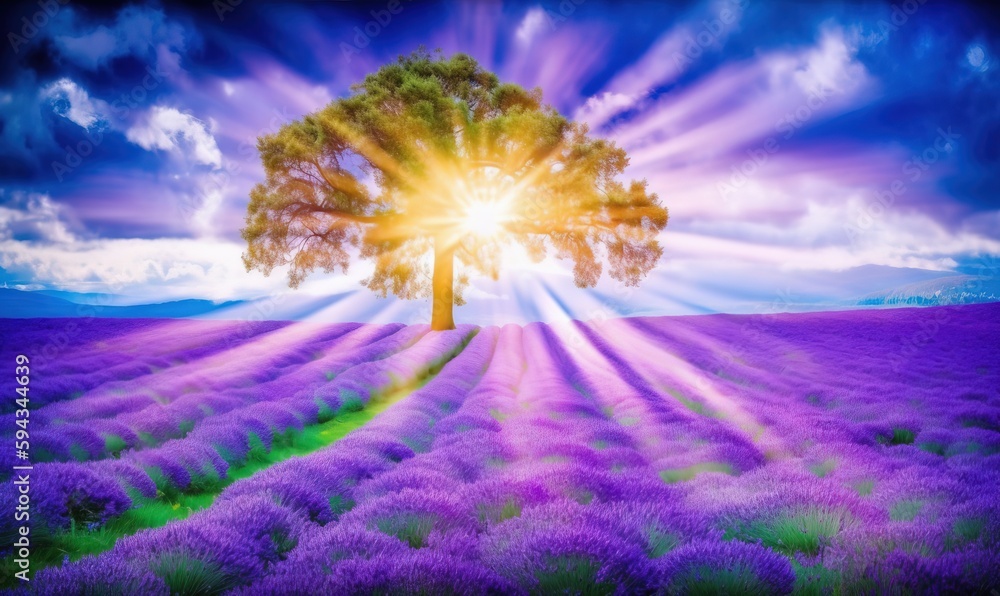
[{"x": 434, "y": 157}]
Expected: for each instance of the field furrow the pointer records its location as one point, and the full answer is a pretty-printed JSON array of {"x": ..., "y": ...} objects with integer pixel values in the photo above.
[{"x": 785, "y": 453}]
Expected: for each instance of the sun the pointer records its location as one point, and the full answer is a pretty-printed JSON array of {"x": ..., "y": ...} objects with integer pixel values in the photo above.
[
  {"x": 485, "y": 200},
  {"x": 485, "y": 219}
]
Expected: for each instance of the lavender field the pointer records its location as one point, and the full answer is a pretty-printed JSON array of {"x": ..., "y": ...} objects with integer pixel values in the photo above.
[{"x": 824, "y": 453}]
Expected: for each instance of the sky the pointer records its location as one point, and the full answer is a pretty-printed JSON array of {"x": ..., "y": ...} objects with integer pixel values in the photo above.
[{"x": 809, "y": 153}]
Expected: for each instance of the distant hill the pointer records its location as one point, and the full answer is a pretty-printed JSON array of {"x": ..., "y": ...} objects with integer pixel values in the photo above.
[
  {"x": 88, "y": 297},
  {"x": 16, "y": 304},
  {"x": 956, "y": 289},
  {"x": 20, "y": 304}
]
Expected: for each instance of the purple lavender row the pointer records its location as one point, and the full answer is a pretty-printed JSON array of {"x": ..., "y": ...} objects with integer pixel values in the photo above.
[
  {"x": 816, "y": 525},
  {"x": 178, "y": 414},
  {"x": 856, "y": 463},
  {"x": 222, "y": 370},
  {"x": 581, "y": 465},
  {"x": 143, "y": 382},
  {"x": 506, "y": 507},
  {"x": 285, "y": 501},
  {"x": 72, "y": 357},
  {"x": 97, "y": 491}
]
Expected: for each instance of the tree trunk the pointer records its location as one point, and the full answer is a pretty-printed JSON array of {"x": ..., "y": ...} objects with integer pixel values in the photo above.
[{"x": 443, "y": 282}]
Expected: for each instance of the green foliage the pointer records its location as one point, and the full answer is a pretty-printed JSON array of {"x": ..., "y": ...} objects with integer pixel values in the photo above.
[
  {"x": 659, "y": 543},
  {"x": 410, "y": 528},
  {"x": 815, "y": 580},
  {"x": 864, "y": 487},
  {"x": 900, "y": 436},
  {"x": 283, "y": 542},
  {"x": 324, "y": 413},
  {"x": 808, "y": 531},
  {"x": 42, "y": 455},
  {"x": 695, "y": 406},
  {"x": 430, "y": 132},
  {"x": 340, "y": 505},
  {"x": 823, "y": 468},
  {"x": 682, "y": 474},
  {"x": 78, "y": 453},
  {"x": 495, "y": 514},
  {"x": 906, "y": 510},
  {"x": 351, "y": 403},
  {"x": 258, "y": 451},
  {"x": 164, "y": 487},
  {"x": 931, "y": 447},
  {"x": 185, "y": 427},
  {"x": 186, "y": 575},
  {"x": 207, "y": 481},
  {"x": 571, "y": 575},
  {"x": 709, "y": 581},
  {"x": 114, "y": 445},
  {"x": 497, "y": 415},
  {"x": 966, "y": 530}
]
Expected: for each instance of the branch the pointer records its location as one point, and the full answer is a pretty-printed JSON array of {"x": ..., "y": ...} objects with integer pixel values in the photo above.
[{"x": 307, "y": 208}]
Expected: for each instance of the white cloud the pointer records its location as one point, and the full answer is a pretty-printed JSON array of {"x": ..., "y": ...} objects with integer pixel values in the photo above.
[
  {"x": 742, "y": 104},
  {"x": 531, "y": 25},
  {"x": 833, "y": 237},
  {"x": 172, "y": 130},
  {"x": 603, "y": 107},
  {"x": 830, "y": 65},
  {"x": 203, "y": 216},
  {"x": 72, "y": 102},
  {"x": 35, "y": 216},
  {"x": 161, "y": 267},
  {"x": 671, "y": 55}
]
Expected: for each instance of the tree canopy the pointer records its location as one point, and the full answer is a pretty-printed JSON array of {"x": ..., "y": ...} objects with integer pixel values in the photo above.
[{"x": 431, "y": 161}]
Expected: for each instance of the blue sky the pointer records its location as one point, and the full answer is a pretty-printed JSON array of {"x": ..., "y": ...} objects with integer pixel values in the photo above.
[{"x": 808, "y": 152}]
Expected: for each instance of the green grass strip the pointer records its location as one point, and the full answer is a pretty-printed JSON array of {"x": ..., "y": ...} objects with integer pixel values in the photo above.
[
  {"x": 53, "y": 549},
  {"x": 146, "y": 513}
]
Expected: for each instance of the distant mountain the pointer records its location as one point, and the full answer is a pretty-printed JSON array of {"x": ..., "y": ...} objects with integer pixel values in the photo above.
[
  {"x": 955, "y": 289},
  {"x": 20, "y": 304},
  {"x": 17, "y": 304},
  {"x": 88, "y": 297}
]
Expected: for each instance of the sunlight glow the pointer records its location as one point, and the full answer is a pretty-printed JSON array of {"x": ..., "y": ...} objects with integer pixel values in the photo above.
[
  {"x": 485, "y": 218},
  {"x": 486, "y": 200}
]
